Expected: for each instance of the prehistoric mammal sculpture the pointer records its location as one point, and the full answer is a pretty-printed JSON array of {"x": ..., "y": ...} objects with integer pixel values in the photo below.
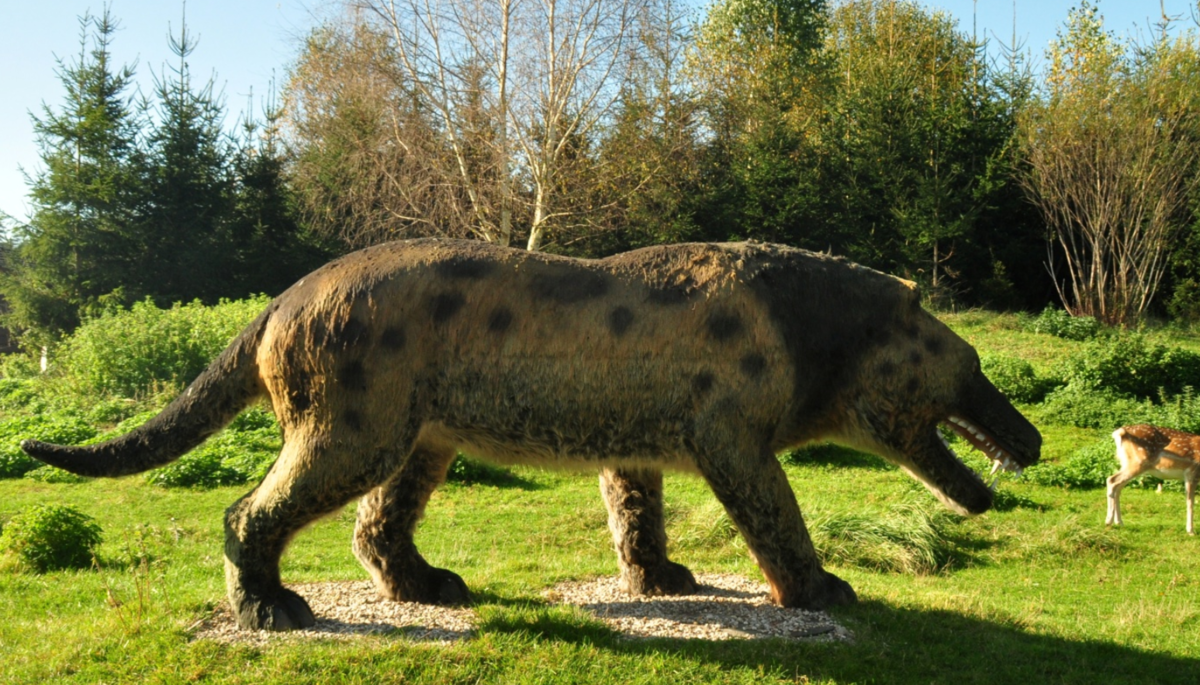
[{"x": 711, "y": 358}]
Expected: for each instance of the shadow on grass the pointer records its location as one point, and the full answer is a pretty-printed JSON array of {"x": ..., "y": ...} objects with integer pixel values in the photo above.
[
  {"x": 829, "y": 454},
  {"x": 467, "y": 471},
  {"x": 892, "y": 644}
]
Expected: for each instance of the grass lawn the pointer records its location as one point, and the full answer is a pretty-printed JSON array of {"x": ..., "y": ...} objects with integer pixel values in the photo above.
[{"x": 1035, "y": 591}]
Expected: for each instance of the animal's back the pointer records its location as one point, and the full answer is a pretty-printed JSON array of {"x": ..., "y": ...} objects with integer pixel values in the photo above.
[{"x": 526, "y": 356}]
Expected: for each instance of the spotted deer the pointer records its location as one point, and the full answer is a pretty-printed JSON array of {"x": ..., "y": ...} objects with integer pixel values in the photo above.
[{"x": 1164, "y": 452}]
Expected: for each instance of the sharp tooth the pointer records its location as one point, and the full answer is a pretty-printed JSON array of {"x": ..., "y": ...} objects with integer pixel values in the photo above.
[
  {"x": 995, "y": 468},
  {"x": 992, "y": 485}
]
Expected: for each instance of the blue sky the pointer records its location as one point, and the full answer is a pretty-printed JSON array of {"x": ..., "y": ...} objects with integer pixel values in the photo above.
[{"x": 245, "y": 44}]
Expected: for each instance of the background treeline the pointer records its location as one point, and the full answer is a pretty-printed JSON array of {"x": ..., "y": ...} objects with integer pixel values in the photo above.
[{"x": 876, "y": 129}]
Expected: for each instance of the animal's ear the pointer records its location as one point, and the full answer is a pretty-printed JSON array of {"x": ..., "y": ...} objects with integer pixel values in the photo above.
[{"x": 910, "y": 294}]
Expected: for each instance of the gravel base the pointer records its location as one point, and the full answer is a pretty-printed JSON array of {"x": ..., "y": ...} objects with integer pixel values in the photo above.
[{"x": 727, "y": 607}]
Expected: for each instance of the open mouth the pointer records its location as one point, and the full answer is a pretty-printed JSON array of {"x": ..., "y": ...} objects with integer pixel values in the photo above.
[{"x": 984, "y": 442}]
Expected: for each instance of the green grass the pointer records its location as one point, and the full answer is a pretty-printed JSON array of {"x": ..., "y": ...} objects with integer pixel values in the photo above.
[{"x": 1037, "y": 590}]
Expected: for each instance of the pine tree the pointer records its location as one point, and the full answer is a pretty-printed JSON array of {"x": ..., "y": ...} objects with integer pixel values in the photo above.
[
  {"x": 73, "y": 256},
  {"x": 190, "y": 198},
  {"x": 270, "y": 248}
]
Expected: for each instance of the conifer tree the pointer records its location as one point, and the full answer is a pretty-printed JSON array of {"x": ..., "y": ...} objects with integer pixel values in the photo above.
[{"x": 73, "y": 256}]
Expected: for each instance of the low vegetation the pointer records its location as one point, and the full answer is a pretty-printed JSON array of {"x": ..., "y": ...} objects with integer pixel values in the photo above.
[{"x": 1037, "y": 590}]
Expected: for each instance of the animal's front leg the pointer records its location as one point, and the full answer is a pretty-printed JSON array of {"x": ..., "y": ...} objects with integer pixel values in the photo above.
[
  {"x": 756, "y": 494},
  {"x": 383, "y": 534},
  {"x": 635, "y": 517}
]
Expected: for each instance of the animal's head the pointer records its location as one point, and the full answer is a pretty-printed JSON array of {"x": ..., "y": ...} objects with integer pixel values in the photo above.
[{"x": 923, "y": 376}]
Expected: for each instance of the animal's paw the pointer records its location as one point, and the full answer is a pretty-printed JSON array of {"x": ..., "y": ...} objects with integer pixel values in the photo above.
[
  {"x": 668, "y": 578},
  {"x": 832, "y": 592},
  {"x": 280, "y": 610},
  {"x": 446, "y": 588}
]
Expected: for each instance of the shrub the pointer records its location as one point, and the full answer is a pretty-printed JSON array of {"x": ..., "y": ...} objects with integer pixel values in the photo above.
[
  {"x": 202, "y": 468},
  {"x": 63, "y": 430},
  {"x": 1088, "y": 467},
  {"x": 1016, "y": 378},
  {"x": 47, "y": 537},
  {"x": 131, "y": 353},
  {"x": 242, "y": 453},
  {"x": 1059, "y": 323},
  {"x": 51, "y": 474},
  {"x": 1086, "y": 408},
  {"x": 1128, "y": 365}
]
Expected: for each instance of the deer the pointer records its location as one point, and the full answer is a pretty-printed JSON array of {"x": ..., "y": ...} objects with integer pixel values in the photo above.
[{"x": 1164, "y": 452}]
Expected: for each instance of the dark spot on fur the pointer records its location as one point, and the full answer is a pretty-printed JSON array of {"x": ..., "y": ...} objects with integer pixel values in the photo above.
[
  {"x": 619, "y": 320},
  {"x": 569, "y": 287},
  {"x": 299, "y": 395},
  {"x": 915, "y": 357},
  {"x": 668, "y": 296},
  {"x": 910, "y": 330},
  {"x": 912, "y": 386},
  {"x": 444, "y": 306},
  {"x": 723, "y": 327},
  {"x": 500, "y": 320},
  {"x": 887, "y": 369},
  {"x": 393, "y": 339},
  {"x": 353, "y": 420},
  {"x": 348, "y": 334},
  {"x": 465, "y": 268},
  {"x": 702, "y": 382},
  {"x": 933, "y": 345},
  {"x": 353, "y": 376},
  {"x": 753, "y": 364}
]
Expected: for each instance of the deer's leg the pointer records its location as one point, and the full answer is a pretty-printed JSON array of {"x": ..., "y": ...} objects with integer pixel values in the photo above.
[
  {"x": 1116, "y": 482},
  {"x": 1189, "y": 480}
]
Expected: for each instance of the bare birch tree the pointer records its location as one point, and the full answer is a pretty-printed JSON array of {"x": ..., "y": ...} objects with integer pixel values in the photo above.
[
  {"x": 547, "y": 73},
  {"x": 367, "y": 162},
  {"x": 1111, "y": 155}
]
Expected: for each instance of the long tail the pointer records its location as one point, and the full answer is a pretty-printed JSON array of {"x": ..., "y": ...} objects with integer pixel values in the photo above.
[{"x": 212, "y": 400}]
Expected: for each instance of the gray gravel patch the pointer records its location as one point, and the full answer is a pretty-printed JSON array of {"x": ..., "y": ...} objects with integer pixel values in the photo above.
[{"x": 727, "y": 607}]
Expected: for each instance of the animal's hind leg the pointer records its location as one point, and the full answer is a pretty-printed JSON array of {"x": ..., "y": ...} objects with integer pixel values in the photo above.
[
  {"x": 1116, "y": 483},
  {"x": 383, "y": 535},
  {"x": 635, "y": 517},
  {"x": 311, "y": 478},
  {"x": 756, "y": 494}
]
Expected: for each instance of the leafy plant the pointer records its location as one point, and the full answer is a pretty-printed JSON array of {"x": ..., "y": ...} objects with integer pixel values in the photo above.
[
  {"x": 1129, "y": 365},
  {"x": 131, "y": 353},
  {"x": 47, "y": 537},
  {"x": 1058, "y": 322},
  {"x": 60, "y": 429},
  {"x": 1088, "y": 467},
  {"x": 1016, "y": 378}
]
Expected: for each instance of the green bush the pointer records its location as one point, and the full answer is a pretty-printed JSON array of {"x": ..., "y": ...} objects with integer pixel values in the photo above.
[
  {"x": 1059, "y": 323},
  {"x": 59, "y": 429},
  {"x": 132, "y": 353},
  {"x": 1128, "y": 365},
  {"x": 1088, "y": 467},
  {"x": 48, "y": 537},
  {"x": 241, "y": 453},
  {"x": 1087, "y": 408},
  {"x": 1016, "y": 378},
  {"x": 50, "y": 474}
]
